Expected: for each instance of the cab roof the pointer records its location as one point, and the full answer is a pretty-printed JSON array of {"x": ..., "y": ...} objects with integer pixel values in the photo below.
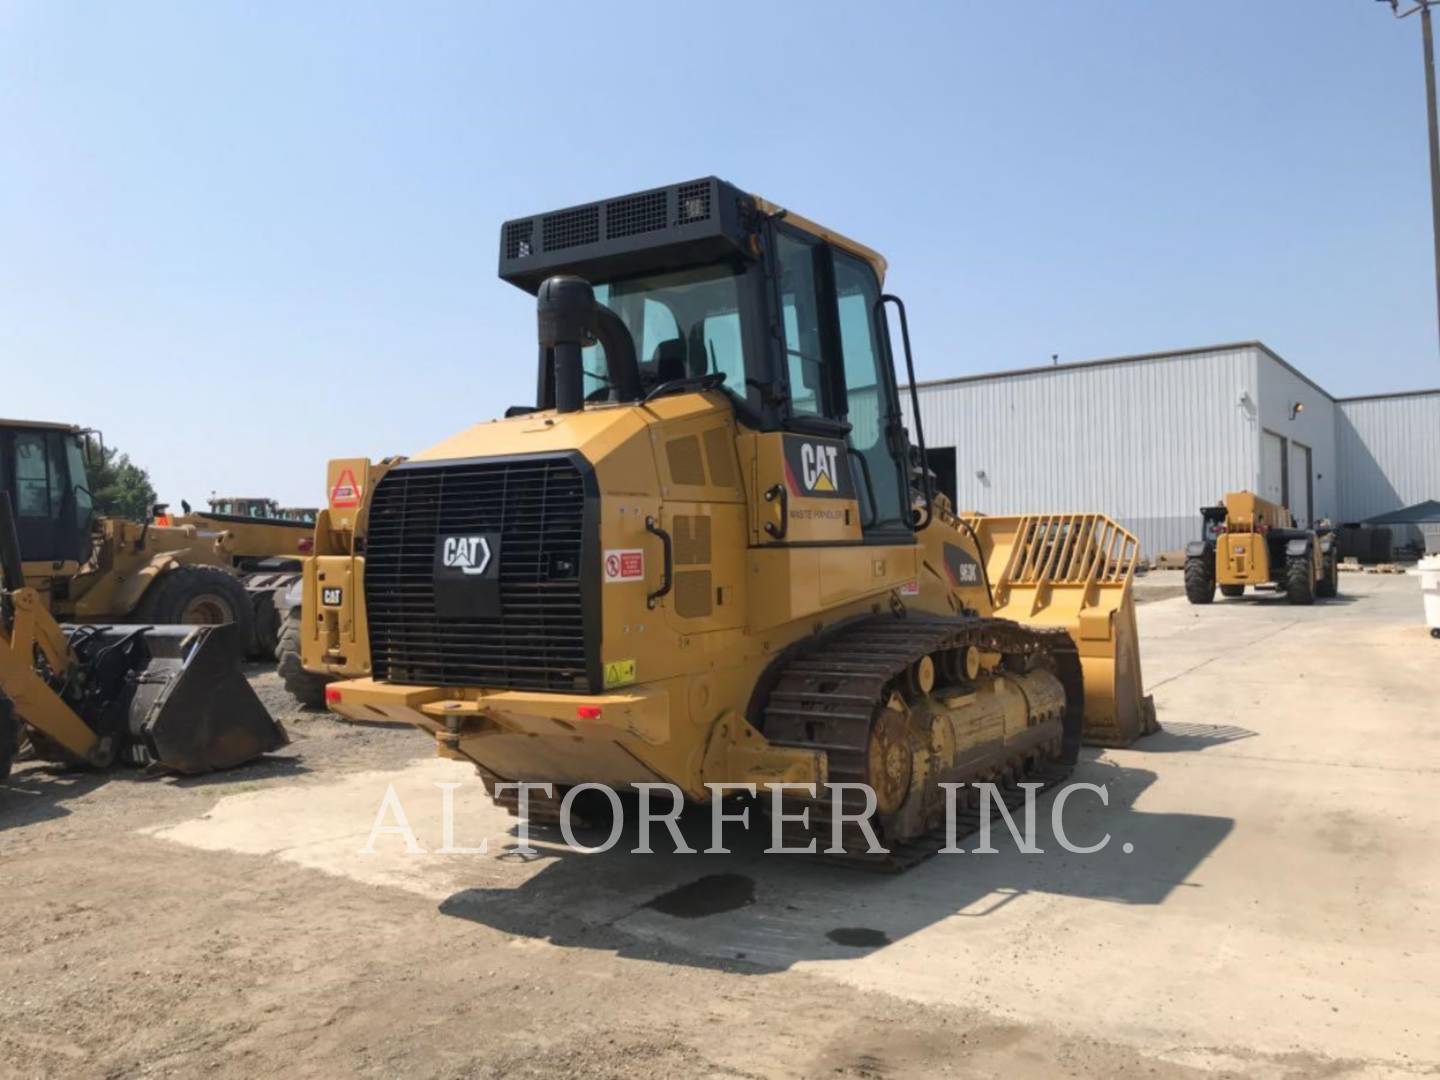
[{"x": 47, "y": 425}]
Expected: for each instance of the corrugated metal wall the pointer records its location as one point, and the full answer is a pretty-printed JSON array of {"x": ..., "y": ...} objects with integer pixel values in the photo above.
[
  {"x": 1280, "y": 391},
  {"x": 1389, "y": 453},
  {"x": 1147, "y": 441}
]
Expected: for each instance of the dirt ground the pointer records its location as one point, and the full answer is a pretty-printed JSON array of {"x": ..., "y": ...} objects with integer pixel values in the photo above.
[{"x": 229, "y": 926}]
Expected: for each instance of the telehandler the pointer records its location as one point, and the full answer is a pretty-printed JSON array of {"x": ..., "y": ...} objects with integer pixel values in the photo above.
[
  {"x": 170, "y": 697},
  {"x": 87, "y": 567},
  {"x": 1250, "y": 541},
  {"x": 698, "y": 558}
]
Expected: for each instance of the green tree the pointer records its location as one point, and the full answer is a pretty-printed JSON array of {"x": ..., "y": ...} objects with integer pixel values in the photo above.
[{"x": 119, "y": 487}]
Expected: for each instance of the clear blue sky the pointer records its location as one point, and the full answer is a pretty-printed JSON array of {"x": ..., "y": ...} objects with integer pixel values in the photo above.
[{"x": 244, "y": 238}]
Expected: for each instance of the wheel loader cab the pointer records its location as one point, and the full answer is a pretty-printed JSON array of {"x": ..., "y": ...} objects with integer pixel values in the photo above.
[{"x": 42, "y": 467}]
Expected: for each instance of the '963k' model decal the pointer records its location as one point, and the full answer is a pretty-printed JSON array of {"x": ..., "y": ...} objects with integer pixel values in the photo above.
[
  {"x": 961, "y": 567},
  {"x": 817, "y": 468}
]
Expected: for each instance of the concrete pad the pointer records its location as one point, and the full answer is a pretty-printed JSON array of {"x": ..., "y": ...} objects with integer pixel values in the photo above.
[{"x": 1280, "y": 893}]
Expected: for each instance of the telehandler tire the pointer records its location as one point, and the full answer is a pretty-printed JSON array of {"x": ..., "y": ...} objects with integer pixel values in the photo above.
[
  {"x": 9, "y": 736},
  {"x": 200, "y": 595},
  {"x": 1199, "y": 582},
  {"x": 1232, "y": 591},
  {"x": 1328, "y": 587},
  {"x": 1299, "y": 580},
  {"x": 305, "y": 687}
]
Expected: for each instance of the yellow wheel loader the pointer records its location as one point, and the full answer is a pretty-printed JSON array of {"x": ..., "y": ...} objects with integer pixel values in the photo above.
[
  {"x": 171, "y": 697},
  {"x": 89, "y": 568},
  {"x": 1250, "y": 542},
  {"x": 698, "y": 558},
  {"x": 266, "y": 543}
]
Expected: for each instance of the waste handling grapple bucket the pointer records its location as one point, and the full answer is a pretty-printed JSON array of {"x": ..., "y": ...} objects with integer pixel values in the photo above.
[
  {"x": 1076, "y": 571},
  {"x": 174, "y": 695}
]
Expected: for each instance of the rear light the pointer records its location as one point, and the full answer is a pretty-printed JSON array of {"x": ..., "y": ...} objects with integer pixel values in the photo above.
[
  {"x": 332, "y": 696},
  {"x": 588, "y": 712},
  {"x": 306, "y": 545}
]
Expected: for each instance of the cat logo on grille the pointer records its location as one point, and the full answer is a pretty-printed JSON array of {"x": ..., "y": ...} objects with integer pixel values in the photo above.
[{"x": 468, "y": 554}]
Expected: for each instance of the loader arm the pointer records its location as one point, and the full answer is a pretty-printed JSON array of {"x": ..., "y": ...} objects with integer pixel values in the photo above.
[
  {"x": 32, "y": 631},
  {"x": 167, "y": 695}
]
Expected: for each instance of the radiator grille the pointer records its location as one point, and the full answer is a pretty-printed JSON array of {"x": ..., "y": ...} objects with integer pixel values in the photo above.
[{"x": 537, "y": 507}]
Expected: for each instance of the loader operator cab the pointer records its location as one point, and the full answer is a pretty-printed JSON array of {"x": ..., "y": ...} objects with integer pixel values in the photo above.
[
  {"x": 42, "y": 468},
  {"x": 699, "y": 286}
]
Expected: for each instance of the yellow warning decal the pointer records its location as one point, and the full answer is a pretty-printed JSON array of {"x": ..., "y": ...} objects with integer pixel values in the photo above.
[{"x": 619, "y": 673}]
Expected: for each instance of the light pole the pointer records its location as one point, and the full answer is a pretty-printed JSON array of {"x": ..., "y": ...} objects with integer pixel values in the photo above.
[{"x": 1423, "y": 7}]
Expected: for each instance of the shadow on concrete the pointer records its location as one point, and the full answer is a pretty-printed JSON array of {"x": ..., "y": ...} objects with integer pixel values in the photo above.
[
  {"x": 1180, "y": 737},
  {"x": 1267, "y": 597},
  {"x": 268, "y": 767},
  {"x": 38, "y": 790},
  {"x": 767, "y": 912}
]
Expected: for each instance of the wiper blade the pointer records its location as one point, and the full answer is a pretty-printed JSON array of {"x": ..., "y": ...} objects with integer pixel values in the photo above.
[{"x": 711, "y": 381}]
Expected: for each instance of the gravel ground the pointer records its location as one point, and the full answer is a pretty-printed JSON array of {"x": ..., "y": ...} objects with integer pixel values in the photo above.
[{"x": 130, "y": 955}]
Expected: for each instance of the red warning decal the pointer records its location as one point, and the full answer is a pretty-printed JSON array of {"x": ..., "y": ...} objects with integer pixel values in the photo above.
[
  {"x": 346, "y": 493},
  {"x": 625, "y": 564}
]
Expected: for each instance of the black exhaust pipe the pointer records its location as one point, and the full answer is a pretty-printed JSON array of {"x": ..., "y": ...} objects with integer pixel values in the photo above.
[{"x": 567, "y": 320}]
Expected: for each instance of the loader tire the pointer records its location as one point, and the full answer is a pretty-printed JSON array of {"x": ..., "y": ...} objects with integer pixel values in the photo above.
[
  {"x": 265, "y": 640},
  {"x": 1199, "y": 582},
  {"x": 1232, "y": 591},
  {"x": 200, "y": 595},
  {"x": 1328, "y": 587},
  {"x": 1299, "y": 580},
  {"x": 9, "y": 736},
  {"x": 305, "y": 687}
]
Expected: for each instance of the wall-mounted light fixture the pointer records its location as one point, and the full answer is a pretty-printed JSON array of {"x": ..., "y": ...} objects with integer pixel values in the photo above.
[
  {"x": 980, "y": 474},
  {"x": 1296, "y": 409}
]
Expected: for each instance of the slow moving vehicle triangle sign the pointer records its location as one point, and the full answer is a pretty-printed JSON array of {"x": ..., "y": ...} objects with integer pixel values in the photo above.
[{"x": 346, "y": 493}]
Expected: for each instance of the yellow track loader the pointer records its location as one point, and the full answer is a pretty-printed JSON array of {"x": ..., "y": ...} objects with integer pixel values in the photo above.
[
  {"x": 1251, "y": 542},
  {"x": 171, "y": 697},
  {"x": 702, "y": 557}
]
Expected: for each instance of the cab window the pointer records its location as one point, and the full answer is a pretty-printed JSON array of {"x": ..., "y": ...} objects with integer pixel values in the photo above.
[
  {"x": 75, "y": 470},
  {"x": 724, "y": 350},
  {"x": 32, "y": 477},
  {"x": 684, "y": 324},
  {"x": 801, "y": 321},
  {"x": 868, "y": 392}
]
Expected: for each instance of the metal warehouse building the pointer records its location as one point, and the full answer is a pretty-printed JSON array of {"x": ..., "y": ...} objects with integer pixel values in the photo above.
[{"x": 1150, "y": 439}]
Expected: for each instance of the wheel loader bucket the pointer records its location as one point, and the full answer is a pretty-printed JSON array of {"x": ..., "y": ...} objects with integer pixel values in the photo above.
[
  {"x": 192, "y": 710},
  {"x": 1076, "y": 571}
]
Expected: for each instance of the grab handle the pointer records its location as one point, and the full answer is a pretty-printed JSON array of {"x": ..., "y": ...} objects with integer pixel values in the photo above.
[{"x": 668, "y": 556}]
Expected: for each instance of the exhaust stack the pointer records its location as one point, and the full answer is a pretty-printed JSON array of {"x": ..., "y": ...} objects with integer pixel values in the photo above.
[{"x": 568, "y": 319}]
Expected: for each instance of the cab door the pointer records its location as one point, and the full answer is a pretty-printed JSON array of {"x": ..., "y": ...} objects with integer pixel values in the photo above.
[{"x": 832, "y": 473}]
